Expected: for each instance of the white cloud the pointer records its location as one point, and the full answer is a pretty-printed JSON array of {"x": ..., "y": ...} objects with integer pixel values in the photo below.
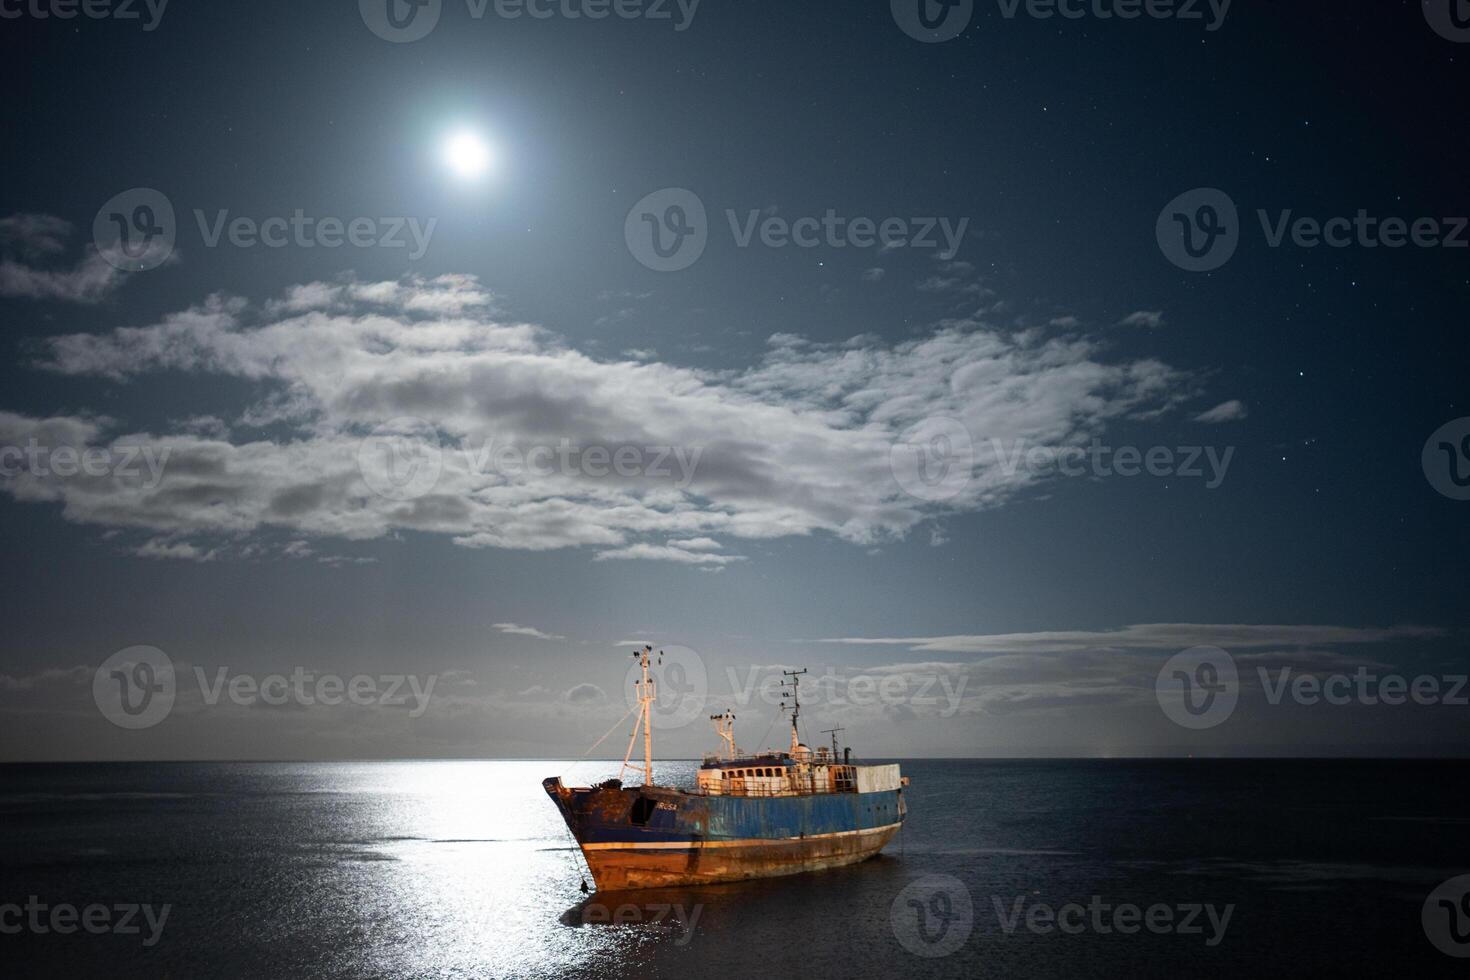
[
  {"x": 1230, "y": 411},
  {"x": 697, "y": 544},
  {"x": 176, "y": 550},
  {"x": 1144, "y": 318},
  {"x": 669, "y": 552},
  {"x": 517, "y": 630},
  {"x": 31, "y": 238},
  {"x": 1152, "y": 636},
  {"x": 796, "y": 443},
  {"x": 34, "y": 234}
]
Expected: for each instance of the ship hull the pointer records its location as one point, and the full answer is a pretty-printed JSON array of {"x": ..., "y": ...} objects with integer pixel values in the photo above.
[
  {"x": 616, "y": 867},
  {"x": 653, "y": 837}
]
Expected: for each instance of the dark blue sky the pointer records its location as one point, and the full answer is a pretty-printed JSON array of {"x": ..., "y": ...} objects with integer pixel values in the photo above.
[{"x": 793, "y": 370}]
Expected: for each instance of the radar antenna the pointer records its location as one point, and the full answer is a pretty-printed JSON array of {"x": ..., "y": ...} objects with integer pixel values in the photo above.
[
  {"x": 647, "y": 694},
  {"x": 795, "y": 683}
]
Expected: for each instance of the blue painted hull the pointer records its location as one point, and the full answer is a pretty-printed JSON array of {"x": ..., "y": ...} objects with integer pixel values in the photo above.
[{"x": 648, "y": 837}]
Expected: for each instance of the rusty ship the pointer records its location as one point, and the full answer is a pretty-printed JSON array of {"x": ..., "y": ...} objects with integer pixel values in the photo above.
[{"x": 750, "y": 816}]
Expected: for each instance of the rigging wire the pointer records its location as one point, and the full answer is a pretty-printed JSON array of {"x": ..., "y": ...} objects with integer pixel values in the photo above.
[
  {"x": 599, "y": 741},
  {"x": 577, "y": 848},
  {"x": 767, "y": 735}
]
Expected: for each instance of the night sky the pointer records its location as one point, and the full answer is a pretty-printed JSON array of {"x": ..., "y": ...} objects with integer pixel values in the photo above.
[{"x": 796, "y": 382}]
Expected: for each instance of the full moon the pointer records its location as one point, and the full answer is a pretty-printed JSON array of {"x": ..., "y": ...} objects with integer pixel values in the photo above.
[{"x": 467, "y": 154}]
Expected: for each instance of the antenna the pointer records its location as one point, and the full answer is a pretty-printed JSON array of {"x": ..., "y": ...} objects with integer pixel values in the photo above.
[
  {"x": 647, "y": 694},
  {"x": 725, "y": 728},
  {"x": 833, "y": 732},
  {"x": 795, "y": 682}
]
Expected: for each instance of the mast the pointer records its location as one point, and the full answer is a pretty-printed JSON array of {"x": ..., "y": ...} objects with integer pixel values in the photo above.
[
  {"x": 725, "y": 728},
  {"x": 646, "y": 696},
  {"x": 795, "y": 676},
  {"x": 833, "y": 732}
]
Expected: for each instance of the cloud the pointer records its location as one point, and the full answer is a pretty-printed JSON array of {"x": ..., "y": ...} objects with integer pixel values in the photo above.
[
  {"x": 953, "y": 284},
  {"x": 30, "y": 238},
  {"x": 517, "y": 630},
  {"x": 1069, "y": 670},
  {"x": 1144, "y": 318},
  {"x": 92, "y": 281},
  {"x": 1152, "y": 636},
  {"x": 1230, "y": 411},
  {"x": 176, "y": 550},
  {"x": 668, "y": 552},
  {"x": 585, "y": 694},
  {"x": 874, "y": 274},
  {"x": 34, "y": 235},
  {"x": 697, "y": 544},
  {"x": 615, "y": 317},
  {"x": 795, "y": 443}
]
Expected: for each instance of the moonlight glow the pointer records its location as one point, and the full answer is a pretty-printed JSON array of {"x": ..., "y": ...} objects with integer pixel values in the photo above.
[{"x": 467, "y": 154}]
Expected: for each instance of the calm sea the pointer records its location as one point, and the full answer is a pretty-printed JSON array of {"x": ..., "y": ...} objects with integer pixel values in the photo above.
[{"x": 463, "y": 869}]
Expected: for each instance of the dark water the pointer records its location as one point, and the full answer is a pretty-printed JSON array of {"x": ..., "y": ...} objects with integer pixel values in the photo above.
[{"x": 462, "y": 869}]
